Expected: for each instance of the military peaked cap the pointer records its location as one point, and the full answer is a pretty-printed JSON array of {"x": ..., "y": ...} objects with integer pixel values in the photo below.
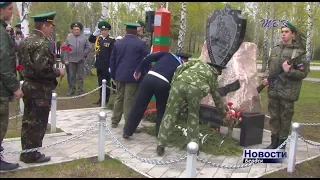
[
  {"x": 132, "y": 25},
  {"x": 18, "y": 25},
  {"x": 183, "y": 55},
  {"x": 3, "y": 4},
  {"x": 104, "y": 25},
  {"x": 77, "y": 24},
  {"x": 45, "y": 17},
  {"x": 141, "y": 23}
]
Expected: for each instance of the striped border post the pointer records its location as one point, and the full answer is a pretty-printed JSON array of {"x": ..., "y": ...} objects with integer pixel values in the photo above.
[{"x": 160, "y": 41}]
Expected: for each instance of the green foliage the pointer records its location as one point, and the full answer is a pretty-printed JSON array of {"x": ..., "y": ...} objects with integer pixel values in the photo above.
[{"x": 211, "y": 145}]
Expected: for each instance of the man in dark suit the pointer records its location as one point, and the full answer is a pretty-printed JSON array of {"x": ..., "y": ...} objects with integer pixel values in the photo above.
[
  {"x": 103, "y": 45},
  {"x": 125, "y": 58}
]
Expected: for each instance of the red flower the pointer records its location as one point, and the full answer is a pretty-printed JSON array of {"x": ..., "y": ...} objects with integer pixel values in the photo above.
[
  {"x": 238, "y": 113},
  {"x": 230, "y": 104},
  {"x": 66, "y": 48},
  {"x": 19, "y": 67}
]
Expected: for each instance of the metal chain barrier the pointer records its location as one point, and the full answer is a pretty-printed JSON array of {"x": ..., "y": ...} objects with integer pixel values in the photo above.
[
  {"x": 309, "y": 142},
  {"x": 309, "y": 124},
  {"x": 145, "y": 160},
  {"x": 82, "y": 95},
  {"x": 16, "y": 116},
  {"x": 238, "y": 166},
  {"x": 55, "y": 144}
]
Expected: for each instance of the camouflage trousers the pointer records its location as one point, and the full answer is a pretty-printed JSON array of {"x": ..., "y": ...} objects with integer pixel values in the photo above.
[
  {"x": 4, "y": 118},
  {"x": 281, "y": 113},
  {"x": 179, "y": 93},
  {"x": 37, "y": 106}
]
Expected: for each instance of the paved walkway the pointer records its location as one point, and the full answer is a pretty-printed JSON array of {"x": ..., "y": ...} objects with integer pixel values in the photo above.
[{"x": 75, "y": 121}]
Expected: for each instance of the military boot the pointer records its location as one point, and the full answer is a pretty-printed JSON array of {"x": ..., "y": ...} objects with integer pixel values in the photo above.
[
  {"x": 160, "y": 150},
  {"x": 274, "y": 142}
]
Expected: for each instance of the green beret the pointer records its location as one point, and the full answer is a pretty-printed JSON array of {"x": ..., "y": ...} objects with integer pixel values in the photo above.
[
  {"x": 3, "y": 4},
  {"x": 141, "y": 23},
  {"x": 45, "y": 17},
  {"x": 77, "y": 24},
  {"x": 104, "y": 25},
  {"x": 291, "y": 27},
  {"x": 132, "y": 25}
]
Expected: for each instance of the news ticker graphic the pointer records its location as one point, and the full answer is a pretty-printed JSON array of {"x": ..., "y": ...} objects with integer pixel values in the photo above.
[{"x": 264, "y": 155}]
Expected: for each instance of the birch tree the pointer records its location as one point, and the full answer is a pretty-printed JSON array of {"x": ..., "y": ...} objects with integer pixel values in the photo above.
[
  {"x": 104, "y": 12},
  {"x": 265, "y": 42},
  {"x": 182, "y": 30},
  {"x": 309, "y": 29},
  {"x": 23, "y": 9}
]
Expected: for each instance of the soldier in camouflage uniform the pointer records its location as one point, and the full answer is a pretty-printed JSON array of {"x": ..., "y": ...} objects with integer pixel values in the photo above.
[
  {"x": 287, "y": 86},
  {"x": 9, "y": 85},
  {"x": 191, "y": 82},
  {"x": 37, "y": 57},
  {"x": 145, "y": 36}
]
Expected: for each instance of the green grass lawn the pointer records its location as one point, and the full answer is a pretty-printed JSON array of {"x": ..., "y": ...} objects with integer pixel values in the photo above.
[
  {"x": 80, "y": 168},
  {"x": 314, "y": 74}
]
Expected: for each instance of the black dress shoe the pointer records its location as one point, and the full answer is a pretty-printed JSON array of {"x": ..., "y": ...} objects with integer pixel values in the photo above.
[
  {"x": 39, "y": 159},
  {"x": 5, "y": 166},
  {"x": 125, "y": 136}
]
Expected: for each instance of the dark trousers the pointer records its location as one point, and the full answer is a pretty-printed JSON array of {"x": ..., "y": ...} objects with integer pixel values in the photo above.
[
  {"x": 58, "y": 50},
  {"x": 104, "y": 74},
  {"x": 68, "y": 75},
  {"x": 150, "y": 85}
]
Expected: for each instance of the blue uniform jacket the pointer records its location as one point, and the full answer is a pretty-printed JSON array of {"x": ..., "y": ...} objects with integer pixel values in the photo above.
[
  {"x": 126, "y": 56},
  {"x": 166, "y": 64}
]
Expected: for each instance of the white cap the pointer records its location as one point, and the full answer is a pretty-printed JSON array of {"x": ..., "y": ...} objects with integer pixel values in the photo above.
[{"x": 118, "y": 37}]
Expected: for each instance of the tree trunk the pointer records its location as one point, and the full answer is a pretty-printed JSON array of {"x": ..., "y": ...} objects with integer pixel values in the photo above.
[
  {"x": 309, "y": 29},
  {"x": 265, "y": 45},
  {"x": 104, "y": 11},
  {"x": 182, "y": 30},
  {"x": 23, "y": 9},
  {"x": 272, "y": 32}
]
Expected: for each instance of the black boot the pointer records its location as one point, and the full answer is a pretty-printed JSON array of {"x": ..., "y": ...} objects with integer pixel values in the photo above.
[
  {"x": 5, "y": 166},
  {"x": 274, "y": 142},
  {"x": 98, "y": 102},
  {"x": 160, "y": 150}
]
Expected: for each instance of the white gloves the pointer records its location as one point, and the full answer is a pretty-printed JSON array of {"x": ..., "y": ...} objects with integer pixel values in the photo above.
[{"x": 96, "y": 32}]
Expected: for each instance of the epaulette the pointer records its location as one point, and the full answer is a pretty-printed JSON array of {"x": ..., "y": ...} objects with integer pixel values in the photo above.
[{"x": 111, "y": 37}]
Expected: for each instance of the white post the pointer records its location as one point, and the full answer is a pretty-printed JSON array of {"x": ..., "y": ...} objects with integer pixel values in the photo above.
[
  {"x": 293, "y": 147},
  {"x": 167, "y": 5},
  {"x": 53, "y": 112},
  {"x": 21, "y": 100},
  {"x": 192, "y": 150},
  {"x": 102, "y": 136},
  {"x": 103, "y": 95}
]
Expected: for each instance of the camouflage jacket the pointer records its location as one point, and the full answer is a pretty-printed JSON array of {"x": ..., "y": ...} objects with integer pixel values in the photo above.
[
  {"x": 147, "y": 38},
  {"x": 8, "y": 76},
  {"x": 38, "y": 60},
  {"x": 202, "y": 75},
  {"x": 288, "y": 84}
]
